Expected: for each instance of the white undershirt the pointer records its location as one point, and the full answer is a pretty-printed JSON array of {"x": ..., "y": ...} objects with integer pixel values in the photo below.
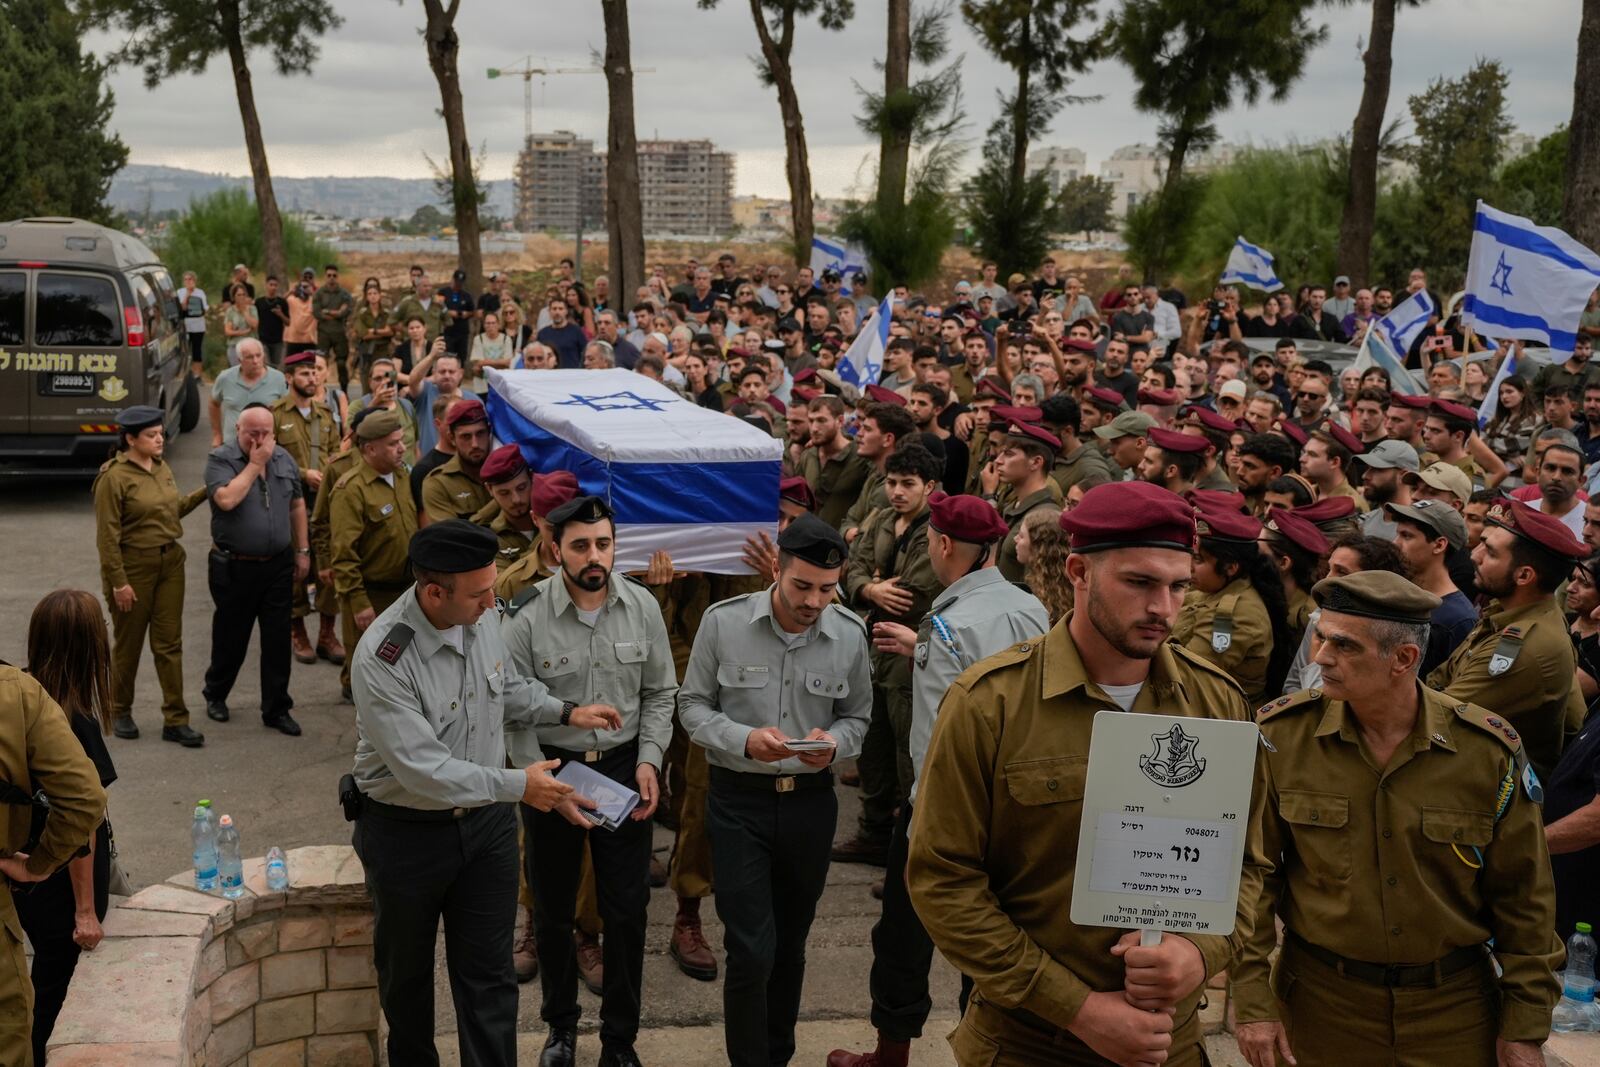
[
  {"x": 389, "y": 478},
  {"x": 1122, "y": 695},
  {"x": 589, "y": 618}
]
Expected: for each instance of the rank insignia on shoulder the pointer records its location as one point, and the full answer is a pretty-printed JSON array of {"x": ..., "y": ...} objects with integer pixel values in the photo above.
[
  {"x": 1492, "y": 721},
  {"x": 395, "y": 642}
]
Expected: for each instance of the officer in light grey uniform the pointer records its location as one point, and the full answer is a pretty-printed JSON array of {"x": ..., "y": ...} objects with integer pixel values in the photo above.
[
  {"x": 592, "y": 637},
  {"x": 978, "y": 614},
  {"x": 435, "y": 829},
  {"x": 784, "y": 663}
]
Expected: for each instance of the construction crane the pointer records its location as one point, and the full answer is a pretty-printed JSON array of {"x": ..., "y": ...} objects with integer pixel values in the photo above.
[{"x": 527, "y": 72}]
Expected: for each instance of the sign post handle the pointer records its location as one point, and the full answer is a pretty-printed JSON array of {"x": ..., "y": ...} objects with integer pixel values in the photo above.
[{"x": 1149, "y": 937}]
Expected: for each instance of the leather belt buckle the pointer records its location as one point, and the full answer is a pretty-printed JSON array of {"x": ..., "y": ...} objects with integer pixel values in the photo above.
[
  {"x": 459, "y": 813},
  {"x": 785, "y": 784},
  {"x": 591, "y": 756}
]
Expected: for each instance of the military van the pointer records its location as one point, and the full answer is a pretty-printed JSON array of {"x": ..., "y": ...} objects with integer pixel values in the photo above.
[{"x": 89, "y": 325}]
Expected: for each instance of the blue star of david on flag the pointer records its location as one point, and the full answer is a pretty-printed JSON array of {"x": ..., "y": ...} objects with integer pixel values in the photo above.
[
  {"x": 623, "y": 401},
  {"x": 1501, "y": 282}
]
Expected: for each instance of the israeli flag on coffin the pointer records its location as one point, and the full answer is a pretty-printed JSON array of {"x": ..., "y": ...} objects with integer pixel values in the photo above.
[
  {"x": 1526, "y": 281},
  {"x": 678, "y": 476}
]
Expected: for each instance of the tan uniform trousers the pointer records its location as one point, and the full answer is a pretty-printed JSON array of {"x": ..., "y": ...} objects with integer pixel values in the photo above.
[
  {"x": 326, "y": 601},
  {"x": 986, "y": 1036},
  {"x": 1334, "y": 1021},
  {"x": 690, "y": 870},
  {"x": 16, "y": 990},
  {"x": 381, "y": 597},
  {"x": 156, "y": 575}
]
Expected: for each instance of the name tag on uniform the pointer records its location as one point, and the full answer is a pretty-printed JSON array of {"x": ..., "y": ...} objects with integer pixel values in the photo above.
[{"x": 386, "y": 509}]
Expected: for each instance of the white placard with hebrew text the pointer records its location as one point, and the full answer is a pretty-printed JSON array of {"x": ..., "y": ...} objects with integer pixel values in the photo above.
[{"x": 1166, "y": 809}]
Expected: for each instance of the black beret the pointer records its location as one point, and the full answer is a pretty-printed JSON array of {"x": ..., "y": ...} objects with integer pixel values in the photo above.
[
  {"x": 139, "y": 417},
  {"x": 580, "y": 509},
  {"x": 814, "y": 541},
  {"x": 453, "y": 546}
]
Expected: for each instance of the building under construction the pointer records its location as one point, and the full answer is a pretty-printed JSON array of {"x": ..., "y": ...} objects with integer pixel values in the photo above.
[{"x": 685, "y": 187}]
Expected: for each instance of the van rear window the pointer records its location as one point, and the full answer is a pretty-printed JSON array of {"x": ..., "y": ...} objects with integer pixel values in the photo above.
[
  {"x": 76, "y": 310},
  {"x": 13, "y": 306}
]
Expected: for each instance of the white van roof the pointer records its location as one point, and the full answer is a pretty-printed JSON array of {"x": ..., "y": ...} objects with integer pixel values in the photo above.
[{"x": 67, "y": 241}]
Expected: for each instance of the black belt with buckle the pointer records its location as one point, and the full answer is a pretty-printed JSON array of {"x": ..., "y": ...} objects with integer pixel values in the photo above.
[
  {"x": 1394, "y": 975},
  {"x": 433, "y": 815},
  {"x": 592, "y": 755},
  {"x": 771, "y": 783},
  {"x": 242, "y": 558}
]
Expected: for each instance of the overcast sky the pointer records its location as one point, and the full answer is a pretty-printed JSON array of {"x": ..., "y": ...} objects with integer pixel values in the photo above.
[{"x": 370, "y": 106}]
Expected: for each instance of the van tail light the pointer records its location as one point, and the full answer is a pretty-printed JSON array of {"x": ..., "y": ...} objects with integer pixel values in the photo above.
[{"x": 135, "y": 323}]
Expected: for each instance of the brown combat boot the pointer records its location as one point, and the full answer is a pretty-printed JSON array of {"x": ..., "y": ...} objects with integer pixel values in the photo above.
[
  {"x": 525, "y": 953},
  {"x": 301, "y": 641},
  {"x": 887, "y": 1054},
  {"x": 328, "y": 646},
  {"x": 688, "y": 946},
  {"x": 591, "y": 963}
]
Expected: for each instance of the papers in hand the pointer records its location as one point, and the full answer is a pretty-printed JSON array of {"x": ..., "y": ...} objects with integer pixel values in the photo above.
[
  {"x": 613, "y": 801},
  {"x": 803, "y": 745}
]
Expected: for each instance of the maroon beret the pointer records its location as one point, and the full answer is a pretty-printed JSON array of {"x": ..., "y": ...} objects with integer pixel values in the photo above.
[
  {"x": 1328, "y": 509},
  {"x": 503, "y": 464},
  {"x": 1419, "y": 402},
  {"x": 796, "y": 490},
  {"x": 465, "y": 411},
  {"x": 1544, "y": 532},
  {"x": 1101, "y": 397},
  {"x": 1450, "y": 407},
  {"x": 552, "y": 490},
  {"x": 1027, "y": 431},
  {"x": 1173, "y": 441},
  {"x": 991, "y": 387},
  {"x": 965, "y": 518},
  {"x": 1344, "y": 437},
  {"x": 1130, "y": 515},
  {"x": 777, "y": 405},
  {"x": 1159, "y": 397},
  {"x": 884, "y": 396},
  {"x": 1227, "y": 525},
  {"x": 309, "y": 355},
  {"x": 805, "y": 375},
  {"x": 802, "y": 395},
  {"x": 1080, "y": 345},
  {"x": 1216, "y": 500},
  {"x": 1004, "y": 413},
  {"x": 1293, "y": 432},
  {"x": 1210, "y": 419},
  {"x": 1298, "y": 531}
]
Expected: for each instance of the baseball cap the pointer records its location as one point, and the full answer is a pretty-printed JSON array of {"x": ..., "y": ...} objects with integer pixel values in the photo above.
[
  {"x": 1445, "y": 477},
  {"x": 1390, "y": 454},
  {"x": 1235, "y": 388},
  {"x": 1435, "y": 515},
  {"x": 1127, "y": 424},
  {"x": 1343, "y": 279}
]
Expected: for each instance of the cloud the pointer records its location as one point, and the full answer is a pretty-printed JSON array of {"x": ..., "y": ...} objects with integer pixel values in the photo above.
[{"x": 371, "y": 105}]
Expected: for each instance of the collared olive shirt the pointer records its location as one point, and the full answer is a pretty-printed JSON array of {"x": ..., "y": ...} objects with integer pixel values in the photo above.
[
  {"x": 1402, "y": 864},
  {"x": 1535, "y": 691},
  {"x": 449, "y": 492},
  {"x": 322, "y": 509},
  {"x": 339, "y": 300},
  {"x": 976, "y": 616},
  {"x": 994, "y": 835},
  {"x": 836, "y": 482},
  {"x": 372, "y": 523},
  {"x": 136, "y": 508},
  {"x": 526, "y": 570},
  {"x": 312, "y": 439},
  {"x": 1073, "y": 467},
  {"x": 367, "y": 320},
  {"x": 514, "y": 543},
  {"x": 624, "y": 660},
  {"x": 1245, "y": 649},
  {"x": 430, "y": 717},
  {"x": 872, "y": 496},
  {"x": 432, "y": 314},
  {"x": 879, "y": 554},
  {"x": 39, "y": 752},
  {"x": 1014, "y": 513},
  {"x": 743, "y": 675}
]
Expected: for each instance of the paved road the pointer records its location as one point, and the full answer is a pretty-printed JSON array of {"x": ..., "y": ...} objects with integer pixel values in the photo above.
[{"x": 281, "y": 790}]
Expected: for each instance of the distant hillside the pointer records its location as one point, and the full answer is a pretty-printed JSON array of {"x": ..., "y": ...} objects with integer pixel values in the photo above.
[{"x": 140, "y": 187}]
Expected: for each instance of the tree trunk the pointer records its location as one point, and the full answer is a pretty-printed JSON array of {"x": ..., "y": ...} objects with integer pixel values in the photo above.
[
  {"x": 444, "y": 47},
  {"x": 797, "y": 163},
  {"x": 624, "y": 212},
  {"x": 273, "y": 256},
  {"x": 1580, "y": 211},
  {"x": 1019, "y": 121},
  {"x": 894, "y": 151},
  {"x": 1354, "y": 256},
  {"x": 1177, "y": 151}
]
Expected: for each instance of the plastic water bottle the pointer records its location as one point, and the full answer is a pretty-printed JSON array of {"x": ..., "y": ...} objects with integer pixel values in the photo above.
[
  {"x": 204, "y": 835},
  {"x": 230, "y": 868},
  {"x": 1577, "y": 1009},
  {"x": 277, "y": 870}
]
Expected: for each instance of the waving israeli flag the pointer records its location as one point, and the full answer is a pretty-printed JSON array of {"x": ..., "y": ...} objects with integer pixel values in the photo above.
[
  {"x": 863, "y": 360},
  {"x": 1375, "y": 352},
  {"x": 1526, "y": 281},
  {"x": 1491, "y": 399},
  {"x": 679, "y": 476},
  {"x": 846, "y": 258},
  {"x": 1406, "y": 320},
  {"x": 1251, "y": 265}
]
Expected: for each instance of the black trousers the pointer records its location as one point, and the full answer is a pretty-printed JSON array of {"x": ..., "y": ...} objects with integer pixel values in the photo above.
[
  {"x": 247, "y": 592},
  {"x": 464, "y": 872},
  {"x": 902, "y": 951},
  {"x": 769, "y": 856},
  {"x": 48, "y": 911},
  {"x": 622, "y": 888}
]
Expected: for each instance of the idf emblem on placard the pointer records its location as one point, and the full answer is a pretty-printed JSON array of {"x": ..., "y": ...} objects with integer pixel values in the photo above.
[{"x": 1173, "y": 761}]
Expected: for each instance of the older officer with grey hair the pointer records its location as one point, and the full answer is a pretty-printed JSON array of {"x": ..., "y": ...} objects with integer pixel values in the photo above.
[
  {"x": 592, "y": 637},
  {"x": 436, "y": 832},
  {"x": 768, "y": 670}
]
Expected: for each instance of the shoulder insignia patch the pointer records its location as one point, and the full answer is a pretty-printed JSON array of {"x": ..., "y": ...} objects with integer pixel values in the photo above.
[
  {"x": 395, "y": 642},
  {"x": 522, "y": 599},
  {"x": 1490, "y": 724},
  {"x": 1302, "y": 699},
  {"x": 344, "y": 479},
  {"x": 1506, "y": 650}
]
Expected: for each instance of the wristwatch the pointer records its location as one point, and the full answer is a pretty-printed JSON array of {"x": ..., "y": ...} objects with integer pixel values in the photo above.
[
  {"x": 567, "y": 707},
  {"x": 302, "y": 552}
]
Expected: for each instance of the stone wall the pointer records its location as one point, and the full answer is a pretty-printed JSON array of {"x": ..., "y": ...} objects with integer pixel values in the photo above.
[{"x": 191, "y": 979}]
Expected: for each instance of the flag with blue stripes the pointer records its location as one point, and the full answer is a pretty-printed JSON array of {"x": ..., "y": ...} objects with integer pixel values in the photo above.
[
  {"x": 863, "y": 360},
  {"x": 1491, "y": 399},
  {"x": 1251, "y": 265},
  {"x": 1526, "y": 281},
  {"x": 1375, "y": 352},
  {"x": 846, "y": 258},
  {"x": 1406, "y": 320}
]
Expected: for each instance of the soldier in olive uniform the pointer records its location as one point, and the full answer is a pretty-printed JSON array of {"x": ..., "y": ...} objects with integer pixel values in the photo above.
[
  {"x": 422, "y": 304},
  {"x": 370, "y": 522},
  {"x": 978, "y": 614},
  {"x": 546, "y": 492},
  {"x": 890, "y": 580},
  {"x": 332, "y": 306},
  {"x": 138, "y": 520},
  {"x": 884, "y": 426},
  {"x": 1024, "y": 465},
  {"x": 1405, "y": 857},
  {"x": 1077, "y": 459},
  {"x": 321, "y": 526},
  {"x": 1518, "y": 661},
  {"x": 1235, "y": 614},
  {"x": 38, "y": 754},
  {"x": 306, "y": 430},
  {"x": 837, "y": 479},
  {"x": 455, "y": 489},
  {"x": 995, "y": 833},
  {"x": 509, "y": 512},
  {"x": 768, "y": 670}
]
